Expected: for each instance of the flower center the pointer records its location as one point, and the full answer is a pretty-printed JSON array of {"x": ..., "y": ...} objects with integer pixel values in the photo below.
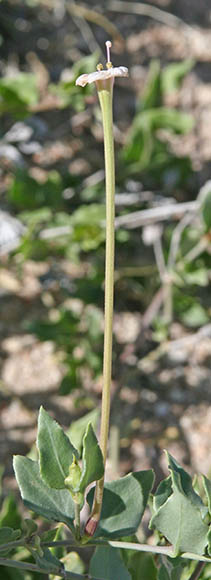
[{"x": 108, "y": 63}]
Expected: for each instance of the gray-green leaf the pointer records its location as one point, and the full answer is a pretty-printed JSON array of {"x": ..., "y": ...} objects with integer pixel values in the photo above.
[
  {"x": 142, "y": 564},
  {"x": 48, "y": 561},
  {"x": 92, "y": 459},
  {"x": 55, "y": 451},
  {"x": 124, "y": 502},
  {"x": 171, "y": 568},
  {"x": 207, "y": 487},
  {"x": 8, "y": 535},
  {"x": 179, "y": 516},
  {"x": 107, "y": 564},
  {"x": 56, "y": 505}
]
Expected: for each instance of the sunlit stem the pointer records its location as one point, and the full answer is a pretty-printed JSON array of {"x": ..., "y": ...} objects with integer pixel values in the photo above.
[{"x": 105, "y": 93}]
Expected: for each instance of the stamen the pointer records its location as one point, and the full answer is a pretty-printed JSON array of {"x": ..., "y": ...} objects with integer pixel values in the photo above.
[
  {"x": 108, "y": 46},
  {"x": 99, "y": 66}
]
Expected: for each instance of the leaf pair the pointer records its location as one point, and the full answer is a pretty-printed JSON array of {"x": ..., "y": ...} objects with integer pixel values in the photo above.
[
  {"x": 43, "y": 485},
  {"x": 56, "y": 454}
]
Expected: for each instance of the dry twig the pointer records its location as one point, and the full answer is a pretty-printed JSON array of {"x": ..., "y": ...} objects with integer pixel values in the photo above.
[
  {"x": 176, "y": 237},
  {"x": 79, "y": 18},
  {"x": 95, "y": 18},
  {"x": 147, "y": 10},
  {"x": 156, "y": 214}
]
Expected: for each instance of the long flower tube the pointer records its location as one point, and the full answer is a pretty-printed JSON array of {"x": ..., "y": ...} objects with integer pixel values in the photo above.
[{"x": 104, "y": 80}]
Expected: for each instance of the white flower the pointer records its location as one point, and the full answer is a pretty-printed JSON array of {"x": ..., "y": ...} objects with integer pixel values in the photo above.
[{"x": 102, "y": 75}]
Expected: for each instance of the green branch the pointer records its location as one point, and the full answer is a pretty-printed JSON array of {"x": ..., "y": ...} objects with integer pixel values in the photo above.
[
  {"x": 33, "y": 568},
  {"x": 165, "y": 550},
  {"x": 15, "y": 544}
]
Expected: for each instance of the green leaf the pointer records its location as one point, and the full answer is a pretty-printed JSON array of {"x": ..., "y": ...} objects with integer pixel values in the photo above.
[
  {"x": 124, "y": 502},
  {"x": 10, "y": 515},
  {"x": 92, "y": 459},
  {"x": 77, "y": 428},
  {"x": 88, "y": 230},
  {"x": 162, "y": 82},
  {"x": 58, "y": 331},
  {"x": 8, "y": 535},
  {"x": 27, "y": 193},
  {"x": 29, "y": 527},
  {"x": 209, "y": 542},
  {"x": 48, "y": 561},
  {"x": 179, "y": 515},
  {"x": 152, "y": 95},
  {"x": 55, "y": 451},
  {"x": 56, "y": 505},
  {"x": 92, "y": 470},
  {"x": 18, "y": 92},
  {"x": 144, "y": 563},
  {"x": 199, "y": 277},
  {"x": 107, "y": 564},
  {"x": 72, "y": 483},
  {"x": 144, "y": 149},
  {"x": 181, "y": 478},
  {"x": 49, "y": 536},
  {"x": 163, "y": 118},
  {"x": 70, "y": 382},
  {"x": 68, "y": 92},
  {"x": 164, "y": 490},
  {"x": 36, "y": 217},
  {"x": 87, "y": 63},
  {"x": 33, "y": 249},
  {"x": 15, "y": 574},
  {"x": 72, "y": 563},
  {"x": 163, "y": 573},
  {"x": 173, "y": 75},
  {"x": 195, "y": 316},
  {"x": 171, "y": 569},
  {"x": 207, "y": 487}
]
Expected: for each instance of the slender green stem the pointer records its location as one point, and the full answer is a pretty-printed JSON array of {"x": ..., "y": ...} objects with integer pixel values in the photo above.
[
  {"x": 15, "y": 544},
  {"x": 165, "y": 550},
  {"x": 105, "y": 97},
  {"x": 105, "y": 92},
  {"x": 24, "y": 543},
  {"x": 35, "y": 568}
]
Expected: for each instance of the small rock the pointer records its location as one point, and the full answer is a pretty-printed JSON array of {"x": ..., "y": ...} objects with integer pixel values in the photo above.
[
  {"x": 18, "y": 132},
  {"x": 10, "y": 155},
  {"x": 33, "y": 370}
]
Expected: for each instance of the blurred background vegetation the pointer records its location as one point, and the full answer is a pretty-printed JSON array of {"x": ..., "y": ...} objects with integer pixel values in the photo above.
[{"x": 52, "y": 229}]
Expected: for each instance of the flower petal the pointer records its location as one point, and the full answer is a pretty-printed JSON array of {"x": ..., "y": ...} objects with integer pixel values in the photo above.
[{"x": 120, "y": 71}]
